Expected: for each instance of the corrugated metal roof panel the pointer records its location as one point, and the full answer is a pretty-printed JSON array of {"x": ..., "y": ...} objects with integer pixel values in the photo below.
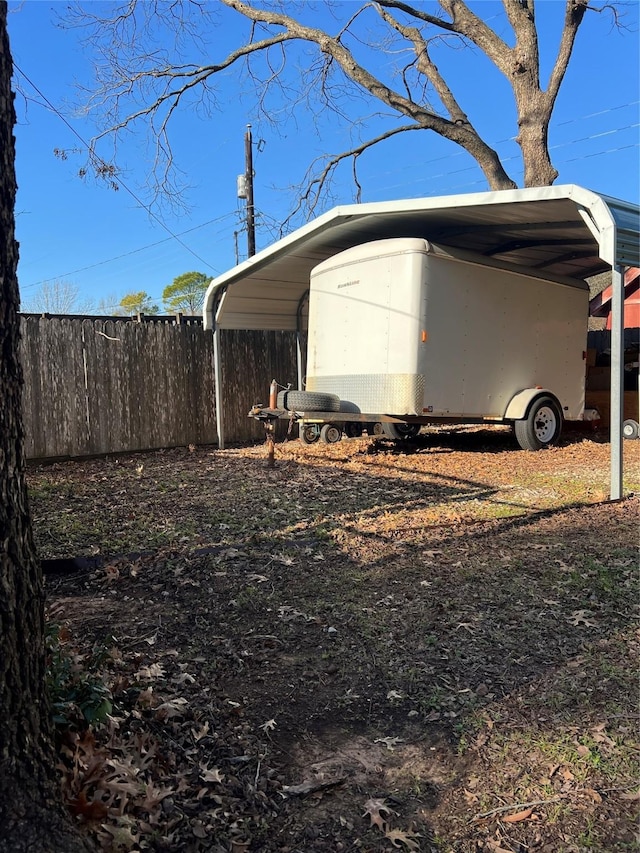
[{"x": 564, "y": 231}]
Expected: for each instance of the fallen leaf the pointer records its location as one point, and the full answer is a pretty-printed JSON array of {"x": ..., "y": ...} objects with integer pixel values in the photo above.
[
  {"x": 581, "y": 617},
  {"x": 146, "y": 673},
  {"x": 145, "y": 697},
  {"x": 198, "y": 734},
  {"x": 389, "y": 742},
  {"x": 153, "y": 796},
  {"x": 173, "y": 708},
  {"x": 269, "y": 726},
  {"x": 599, "y": 737},
  {"x": 595, "y": 796},
  {"x": 378, "y": 812},
  {"x": 88, "y": 809},
  {"x": 495, "y": 847},
  {"x": 122, "y": 837},
  {"x": 481, "y": 740},
  {"x": 394, "y": 694},
  {"x": 635, "y": 795},
  {"x": 198, "y": 829},
  {"x": 518, "y": 816},
  {"x": 398, "y": 837},
  {"x": 213, "y": 775}
]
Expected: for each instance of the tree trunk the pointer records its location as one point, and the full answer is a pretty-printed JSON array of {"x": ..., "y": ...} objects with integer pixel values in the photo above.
[
  {"x": 534, "y": 115},
  {"x": 31, "y": 813}
]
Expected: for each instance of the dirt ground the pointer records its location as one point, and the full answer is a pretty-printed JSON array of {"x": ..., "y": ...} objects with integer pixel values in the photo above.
[{"x": 429, "y": 646}]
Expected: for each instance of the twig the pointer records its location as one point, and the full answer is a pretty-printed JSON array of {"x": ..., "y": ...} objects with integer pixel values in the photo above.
[
  {"x": 108, "y": 337},
  {"x": 510, "y": 808},
  {"x": 613, "y": 790},
  {"x": 623, "y": 716},
  {"x": 309, "y": 787}
]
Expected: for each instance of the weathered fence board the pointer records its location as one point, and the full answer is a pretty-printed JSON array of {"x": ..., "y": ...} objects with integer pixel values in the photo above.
[
  {"x": 250, "y": 360},
  {"x": 97, "y": 386}
]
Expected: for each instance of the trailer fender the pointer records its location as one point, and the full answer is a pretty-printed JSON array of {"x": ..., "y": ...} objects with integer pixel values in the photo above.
[{"x": 520, "y": 402}]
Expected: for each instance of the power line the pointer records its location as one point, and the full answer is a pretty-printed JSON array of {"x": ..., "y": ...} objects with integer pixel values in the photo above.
[
  {"x": 448, "y": 157},
  {"x": 115, "y": 176},
  {"x": 128, "y": 254},
  {"x": 450, "y": 172}
]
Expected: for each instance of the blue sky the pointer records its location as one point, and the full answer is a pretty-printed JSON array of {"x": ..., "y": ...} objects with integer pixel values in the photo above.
[{"x": 105, "y": 243}]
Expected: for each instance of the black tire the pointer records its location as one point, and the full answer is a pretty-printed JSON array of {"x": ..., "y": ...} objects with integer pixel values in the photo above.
[
  {"x": 542, "y": 426},
  {"x": 309, "y": 433},
  {"x": 630, "y": 429},
  {"x": 401, "y": 432},
  {"x": 353, "y": 429},
  {"x": 308, "y": 401},
  {"x": 330, "y": 434}
]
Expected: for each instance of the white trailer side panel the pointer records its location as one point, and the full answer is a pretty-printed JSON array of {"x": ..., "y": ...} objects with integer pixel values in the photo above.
[
  {"x": 492, "y": 333},
  {"x": 405, "y": 328}
]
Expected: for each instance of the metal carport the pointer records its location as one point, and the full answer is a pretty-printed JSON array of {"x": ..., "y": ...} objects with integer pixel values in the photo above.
[{"x": 565, "y": 230}]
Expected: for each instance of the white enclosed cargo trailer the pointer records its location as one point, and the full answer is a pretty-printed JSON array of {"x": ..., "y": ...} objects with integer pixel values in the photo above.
[{"x": 405, "y": 332}]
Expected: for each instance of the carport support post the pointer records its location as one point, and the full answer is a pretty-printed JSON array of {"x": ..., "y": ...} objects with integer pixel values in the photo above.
[
  {"x": 617, "y": 380},
  {"x": 217, "y": 372}
]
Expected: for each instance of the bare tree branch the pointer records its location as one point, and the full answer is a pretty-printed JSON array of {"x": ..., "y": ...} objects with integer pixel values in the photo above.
[
  {"x": 456, "y": 132},
  {"x": 574, "y": 13},
  {"x": 315, "y": 185},
  {"x": 428, "y": 68},
  {"x": 293, "y": 67}
]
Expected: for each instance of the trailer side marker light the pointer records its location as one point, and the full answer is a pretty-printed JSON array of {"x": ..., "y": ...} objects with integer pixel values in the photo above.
[{"x": 424, "y": 336}]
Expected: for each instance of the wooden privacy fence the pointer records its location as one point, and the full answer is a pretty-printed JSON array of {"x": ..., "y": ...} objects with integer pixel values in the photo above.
[{"x": 96, "y": 386}]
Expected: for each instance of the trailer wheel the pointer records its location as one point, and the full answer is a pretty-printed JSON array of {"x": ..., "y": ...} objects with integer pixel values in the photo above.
[
  {"x": 630, "y": 429},
  {"x": 375, "y": 429},
  {"x": 309, "y": 433},
  {"x": 353, "y": 429},
  {"x": 400, "y": 431},
  {"x": 330, "y": 433},
  {"x": 308, "y": 401},
  {"x": 542, "y": 426}
]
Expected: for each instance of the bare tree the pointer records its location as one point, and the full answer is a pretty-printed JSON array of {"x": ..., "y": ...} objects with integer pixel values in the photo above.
[
  {"x": 31, "y": 812},
  {"x": 57, "y": 297},
  {"x": 340, "y": 70}
]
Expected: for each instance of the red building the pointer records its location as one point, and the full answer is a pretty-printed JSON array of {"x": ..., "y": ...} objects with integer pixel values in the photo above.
[{"x": 600, "y": 305}]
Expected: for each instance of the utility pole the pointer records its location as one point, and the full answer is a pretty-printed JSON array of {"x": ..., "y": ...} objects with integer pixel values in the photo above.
[
  {"x": 245, "y": 191},
  {"x": 248, "y": 175}
]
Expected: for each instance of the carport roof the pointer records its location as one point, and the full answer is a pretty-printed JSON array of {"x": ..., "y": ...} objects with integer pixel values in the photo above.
[{"x": 561, "y": 230}]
